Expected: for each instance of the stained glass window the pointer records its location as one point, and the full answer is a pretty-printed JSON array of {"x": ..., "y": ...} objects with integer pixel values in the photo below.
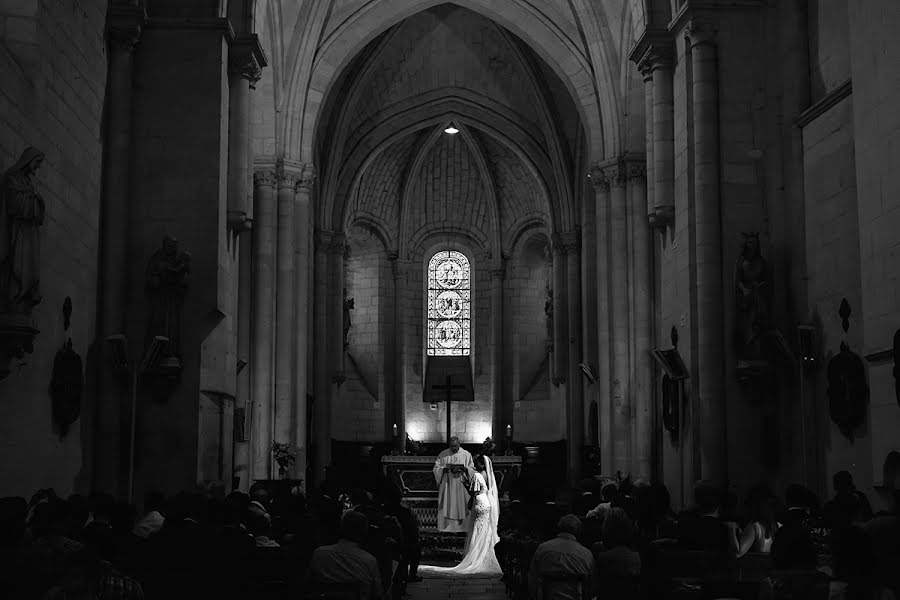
[{"x": 449, "y": 311}]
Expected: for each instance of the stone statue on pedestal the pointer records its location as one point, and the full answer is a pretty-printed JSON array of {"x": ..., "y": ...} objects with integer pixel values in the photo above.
[
  {"x": 753, "y": 296},
  {"x": 168, "y": 274},
  {"x": 21, "y": 218}
]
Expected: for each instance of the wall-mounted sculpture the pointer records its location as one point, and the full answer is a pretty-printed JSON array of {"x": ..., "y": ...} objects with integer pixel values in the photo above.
[
  {"x": 67, "y": 380},
  {"x": 548, "y": 312},
  {"x": 21, "y": 219},
  {"x": 753, "y": 297},
  {"x": 848, "y": 388},
  {"x": 675, "y": 373},
  {"x": 167, "y": 279}
]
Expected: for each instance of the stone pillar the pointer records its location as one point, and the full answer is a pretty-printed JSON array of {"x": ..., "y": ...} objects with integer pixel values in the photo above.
[
  {"x": 604, "y": 401},
  {"x": 244, "y": 72},
  {"x": 502, "y": 409},
  {"x": 336, "y": 336},
  {"x": 111, "y": 451},
  {"x": 285, "y": 305},
  {"x": 244, "y": 341},
  {"x": 589, "y": 315},
  {"x": 642, "y": 322},
  {"x": 322, "y": 406},
  {"x": 303, "y": 302},
  {"x": 647, "y": 75},
  {"x": 571, "y": 242},
  {"x": 560, "y": 321},
  {"x": 245, "y": 59},
  {"x": 621, "y": 368},
  {"x": 658, "y": 62},
  {"x": 399, "y": 270},
  {"x": 708, "y": 253},
  {"x": 263, "y": 322}
]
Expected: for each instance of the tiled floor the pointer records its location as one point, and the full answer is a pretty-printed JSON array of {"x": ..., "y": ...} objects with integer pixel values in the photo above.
[{"x": 456, "y": 589}]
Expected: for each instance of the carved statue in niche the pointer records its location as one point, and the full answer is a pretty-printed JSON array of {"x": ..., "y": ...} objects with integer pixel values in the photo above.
[
  {"x": 753, "y": 294},
  {"x": 168, "y": 275},
  {"x": 21, "y": 218},
  {"x": 349, "y": 304},
  {"x": 548, "y": 311}
]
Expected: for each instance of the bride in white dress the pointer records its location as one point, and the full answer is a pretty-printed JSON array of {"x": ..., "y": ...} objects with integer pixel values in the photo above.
[{"x": 481, "y": 536}]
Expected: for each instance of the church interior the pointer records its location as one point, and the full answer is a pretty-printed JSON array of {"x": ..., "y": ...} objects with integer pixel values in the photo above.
[{"x": 285, "y": 250}]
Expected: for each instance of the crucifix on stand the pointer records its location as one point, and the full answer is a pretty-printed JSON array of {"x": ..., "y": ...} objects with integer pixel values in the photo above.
[{"x": 448, "y": 388}]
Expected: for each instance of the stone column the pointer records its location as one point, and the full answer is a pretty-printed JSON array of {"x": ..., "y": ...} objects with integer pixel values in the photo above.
[
  {"x": 303, "y": 301},
  {"x": 658, "y": 62},
  {"x": 322, "y": 407},
  {"x": 647, "y": 75},
  {"x": 263, "y": 322},
  {"x": 575, "y": 399},
  {"x": 285, "y": 305},
  {"x": 245, "y": 59},
  {"x": 399, "y": 270},
  {"x": 621, "y": 368},
  {"x": 560, "y": 321},
  {"x": 604, "y": 401},
  {"x": 111, "y": 452},
  {"x": 708, "y": 252},
  {"x": 244, "y": 71},
  {"x": 642, "y": 323},
  {"x": 502, "y": 409}
]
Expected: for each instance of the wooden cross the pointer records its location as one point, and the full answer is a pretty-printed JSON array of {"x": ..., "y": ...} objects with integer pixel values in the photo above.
[{"x": 448, "y": 388}]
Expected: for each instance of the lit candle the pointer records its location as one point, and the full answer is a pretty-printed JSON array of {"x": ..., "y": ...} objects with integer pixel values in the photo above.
[
  {"x": 509, "y": 431},
  {"x": 395, "y": 430}
]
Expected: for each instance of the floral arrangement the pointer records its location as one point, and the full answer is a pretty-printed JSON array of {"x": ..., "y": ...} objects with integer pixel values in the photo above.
[
  {"x": 488, "y": 446},
  {"x": 284, "y": 455},
  {"x": 413, "y": 448}
]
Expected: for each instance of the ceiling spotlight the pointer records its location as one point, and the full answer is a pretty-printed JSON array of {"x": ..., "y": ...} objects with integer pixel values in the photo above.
[{"x": 451, "y": 130}]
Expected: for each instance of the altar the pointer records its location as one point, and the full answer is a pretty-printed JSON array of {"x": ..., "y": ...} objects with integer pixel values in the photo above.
[{"x": 414, "y": 477}]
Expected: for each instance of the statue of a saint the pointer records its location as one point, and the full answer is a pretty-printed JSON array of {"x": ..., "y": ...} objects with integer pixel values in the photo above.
[
  {"x": 21, "y": 218},
  {"x": 168, "y": 274},
  {"x": 753, "y": 294}
]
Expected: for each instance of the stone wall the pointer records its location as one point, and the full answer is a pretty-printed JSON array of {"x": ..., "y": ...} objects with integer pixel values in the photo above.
[
  {"x": 876, "y": 130},
  {"x": 53, "y": 68},
  {"x": 358, "y": 413}
]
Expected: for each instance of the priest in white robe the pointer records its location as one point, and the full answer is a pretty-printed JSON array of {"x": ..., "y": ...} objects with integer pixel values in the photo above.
[{"x": 453, "y": 469}]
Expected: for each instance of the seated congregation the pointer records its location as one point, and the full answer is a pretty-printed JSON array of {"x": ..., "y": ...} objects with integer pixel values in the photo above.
[{"x": 621, "y": 541}]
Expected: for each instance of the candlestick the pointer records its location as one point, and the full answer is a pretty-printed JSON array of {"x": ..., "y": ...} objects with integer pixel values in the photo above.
[
  {"x": 509, "y": 431},
  {"x": 395, "y": 430}
]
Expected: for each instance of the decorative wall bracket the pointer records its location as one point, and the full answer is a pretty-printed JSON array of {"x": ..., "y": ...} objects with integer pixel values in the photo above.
[{"x": 17, "y": 335}]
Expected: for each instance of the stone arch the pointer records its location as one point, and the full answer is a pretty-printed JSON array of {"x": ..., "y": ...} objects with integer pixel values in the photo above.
[
  {"x": 375, "y": 226},
  {"x": 544, "y": 35},
  {"x": 472, "y": 112}
]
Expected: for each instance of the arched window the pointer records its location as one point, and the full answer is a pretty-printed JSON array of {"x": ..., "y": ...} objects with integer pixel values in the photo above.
[{"x": 449, "y": 311}]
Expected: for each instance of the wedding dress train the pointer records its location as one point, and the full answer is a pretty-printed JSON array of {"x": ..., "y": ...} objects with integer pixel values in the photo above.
[{"x": 479, "y": 558}]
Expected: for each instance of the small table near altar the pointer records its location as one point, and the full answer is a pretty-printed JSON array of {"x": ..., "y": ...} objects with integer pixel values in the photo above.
[{"x": 414, "y": 477}]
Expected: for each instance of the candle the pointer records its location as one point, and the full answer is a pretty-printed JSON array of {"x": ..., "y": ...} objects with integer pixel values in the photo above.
[
  {"x": 509, "y": 431},
  {"x": 395, "y": 430}
]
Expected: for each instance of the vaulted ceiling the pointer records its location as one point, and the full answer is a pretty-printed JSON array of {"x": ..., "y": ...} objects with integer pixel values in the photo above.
[{"x": 512, "y": 165}]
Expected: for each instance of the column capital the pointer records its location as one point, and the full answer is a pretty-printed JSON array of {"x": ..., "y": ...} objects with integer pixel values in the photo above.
[
  {"x": 322, "y": 239},
  {"x": 337, "y": 243},
  {"x": 636, "y": 168},
  {"x": 654, "y": 49},
  {"x": 287, "y": 179},
  {"x": 615, "y": 173},
  {"x": 701, "y": 30},
  {"x": 307, "y": 178},
  {"x": 265, "y": 177},
  {"x": 571, "y": 241},
  {"x": 598, "y": 179},
  {"x": 124, "y": 25},
  {"x": 246, "y": 58}
]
